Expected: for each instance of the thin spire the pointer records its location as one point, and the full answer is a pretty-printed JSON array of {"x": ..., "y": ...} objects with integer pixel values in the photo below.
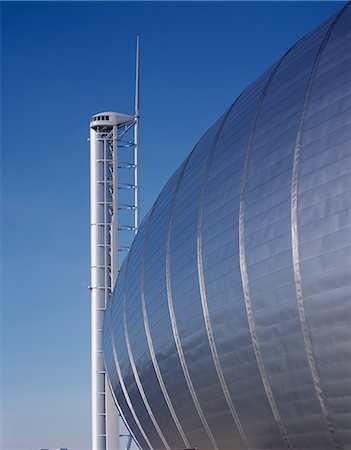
[{"x": 137, "y": 65}]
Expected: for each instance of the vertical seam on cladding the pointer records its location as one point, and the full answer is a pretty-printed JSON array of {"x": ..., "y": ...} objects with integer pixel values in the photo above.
[
  {"x": 202, "y": 287},
  {"x": 132, "y": 362},
  {"x": 295, "y": 243},
  {"x": 120, "y": 412},
  {"x": 121, "y": 382},
  {"x": 149, "y": 338},
  {"x": 172, "y": 313},
  {"x": 126, "y": 395},
  {"x": 244, "y": 272},
  {"x": 119, "y": 409}
]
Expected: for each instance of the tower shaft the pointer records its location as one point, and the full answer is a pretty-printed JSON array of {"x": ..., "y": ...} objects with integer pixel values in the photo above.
[
  {"x": 105, "y": 211},
  {"x": 101, "y": 153}
]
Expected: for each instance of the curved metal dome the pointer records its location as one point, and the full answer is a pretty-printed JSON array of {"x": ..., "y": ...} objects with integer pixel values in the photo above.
[{"x": 229, "y": 327}]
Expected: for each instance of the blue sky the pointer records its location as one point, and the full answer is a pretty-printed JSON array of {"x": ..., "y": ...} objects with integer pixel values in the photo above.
[{"x": 61, "y": 63}]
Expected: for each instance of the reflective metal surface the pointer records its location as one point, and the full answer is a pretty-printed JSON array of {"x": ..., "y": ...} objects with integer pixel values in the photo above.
[{"x": 229, "y": 327}]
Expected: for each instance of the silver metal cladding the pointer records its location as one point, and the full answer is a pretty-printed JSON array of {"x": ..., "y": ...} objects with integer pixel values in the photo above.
[{"x": 231, "y": 327}]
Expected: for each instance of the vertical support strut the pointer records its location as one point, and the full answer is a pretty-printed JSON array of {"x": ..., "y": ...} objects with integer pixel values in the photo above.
[
  {"x": 114, "y": 195},
  {"x": 136, "y": 135}
]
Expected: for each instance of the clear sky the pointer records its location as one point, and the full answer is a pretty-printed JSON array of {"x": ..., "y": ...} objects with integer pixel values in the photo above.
[{"x": 62, "y": 62}]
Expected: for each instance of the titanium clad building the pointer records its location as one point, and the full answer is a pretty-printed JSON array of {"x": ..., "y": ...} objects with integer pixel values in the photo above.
[{"x": 229, "y": 327}]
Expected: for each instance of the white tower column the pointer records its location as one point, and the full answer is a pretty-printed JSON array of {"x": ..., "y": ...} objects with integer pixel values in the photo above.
[{"x": 104, "y": 258}]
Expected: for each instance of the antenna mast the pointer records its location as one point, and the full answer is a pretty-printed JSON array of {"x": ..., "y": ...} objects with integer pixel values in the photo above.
[{"x": 136, "y": 134}]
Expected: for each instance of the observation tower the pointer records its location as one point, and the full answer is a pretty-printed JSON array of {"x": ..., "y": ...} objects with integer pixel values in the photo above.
[{"x": 114, "y": 219}]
